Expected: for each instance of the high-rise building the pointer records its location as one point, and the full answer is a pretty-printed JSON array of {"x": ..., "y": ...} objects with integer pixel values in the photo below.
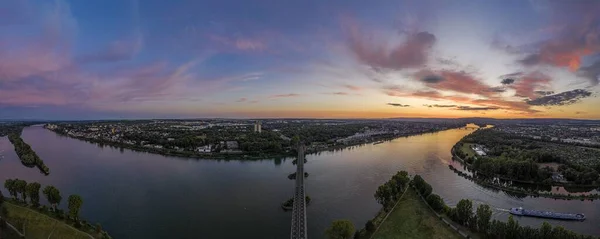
[{"x": 257, "y": 127}]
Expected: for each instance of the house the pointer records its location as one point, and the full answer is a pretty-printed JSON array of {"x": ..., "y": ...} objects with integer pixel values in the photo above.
[
  {"x": 204, "y": 149},
  {"x": 479, "y": 149}
]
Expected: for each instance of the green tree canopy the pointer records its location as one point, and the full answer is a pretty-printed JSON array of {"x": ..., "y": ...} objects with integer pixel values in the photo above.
[
  {"x": 75, "y": 202},
  {"x": 33, "y": 190},
  {"x": 53, "y": 195},
  {"x": 9, "y": 184},
  {"x": 340, "y": 229},
  {"x": 21, "y": 187},
  {"x": 484, "y": 214},
  {"x": 464, "y": 210},
  {"x": 436, "y": 202}
]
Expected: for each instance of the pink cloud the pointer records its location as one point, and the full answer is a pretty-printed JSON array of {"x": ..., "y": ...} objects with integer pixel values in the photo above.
[
  {"x": 243, "y": 44},
  {"x": 457, "y": 81},
  {"x": 352, "y": 87},
  {"x": 530, "y": 83},
  {"x": 32, "y": 97},
  {"x": 411, "y": 53},
  {"x": 575, "y": 35},
  {"x": 462, "y": 82},
  {"x": 284, "y": 95},
  {"x": 337, "y": 93}
]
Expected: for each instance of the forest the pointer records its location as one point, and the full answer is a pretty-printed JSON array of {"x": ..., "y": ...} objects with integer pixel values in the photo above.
[{"x": 516, "y": 157}]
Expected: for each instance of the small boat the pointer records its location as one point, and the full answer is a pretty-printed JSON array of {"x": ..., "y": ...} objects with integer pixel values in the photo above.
[
  {"x": 378, "y": 142},
  {"x": 545, "y": 214}
]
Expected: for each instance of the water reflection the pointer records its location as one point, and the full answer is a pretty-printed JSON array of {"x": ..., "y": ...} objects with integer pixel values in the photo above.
[{"x": 141, "y": 195}]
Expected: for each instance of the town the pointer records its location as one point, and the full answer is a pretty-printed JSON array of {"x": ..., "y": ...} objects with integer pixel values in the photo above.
[
  {"x": 258, "y": 138},
  {"x": 585, "y": 135}
]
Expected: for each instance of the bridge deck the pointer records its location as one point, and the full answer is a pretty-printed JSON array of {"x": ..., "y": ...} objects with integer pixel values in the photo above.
[{"x": 299, "y": 209}]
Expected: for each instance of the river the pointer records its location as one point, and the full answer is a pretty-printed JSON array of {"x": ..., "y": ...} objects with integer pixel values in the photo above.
[{"x": 141, "y": 195}]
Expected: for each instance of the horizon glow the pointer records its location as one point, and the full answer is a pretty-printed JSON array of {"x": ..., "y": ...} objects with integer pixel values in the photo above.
[{"x": 302, "y": 59}]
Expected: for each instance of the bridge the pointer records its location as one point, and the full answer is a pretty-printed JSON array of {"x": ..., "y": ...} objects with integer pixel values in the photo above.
[{"x": 299, "y": 208}]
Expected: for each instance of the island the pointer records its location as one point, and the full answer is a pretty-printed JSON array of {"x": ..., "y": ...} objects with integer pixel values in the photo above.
[
  {"x": 511, "y": 153},
  {"x": 528, "y": 159},
  {"x": 26, "y": 154}
]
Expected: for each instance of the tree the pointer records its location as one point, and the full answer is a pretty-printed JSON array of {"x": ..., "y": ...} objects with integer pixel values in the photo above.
[
  {"x": 53, "y": 195},
  {"x": 33, "y": 190},
  {"x": 512, "y": 228},
  {"x": 21, "y": 187},
  {"x": 464, "y": 210},
  {"x": 370, "y": 226},
  {"x": 98, "y": 228},
  {"x": 340, "y": 229},
  {"x": 546, "y": 230},
  {"x": 9, "y": 184},
  {"x": 436, "y": 202},
  {"x": 497, "y": 229},
  {"x": 75, "y": 202},
  {"x": 484, "y": 214}
]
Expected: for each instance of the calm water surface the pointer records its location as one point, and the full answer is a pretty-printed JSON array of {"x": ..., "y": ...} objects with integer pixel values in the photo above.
[{"x": 140, "y": 195}]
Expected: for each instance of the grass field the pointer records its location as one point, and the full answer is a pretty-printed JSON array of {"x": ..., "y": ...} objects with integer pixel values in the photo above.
[
  {"x": 37, "y": 225},
  {"x": 413, "y": 219},
  {"x": 466, "y": 148}
]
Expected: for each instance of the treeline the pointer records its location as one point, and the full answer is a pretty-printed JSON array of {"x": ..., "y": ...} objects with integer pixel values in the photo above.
[
  {"x": 387, "y": 195},
  {"x": 21, "y": 190},
  {"x": 481, "y": 222},
  {"x": 516, "y": 157},
  {"x": 26, "y": 154}
]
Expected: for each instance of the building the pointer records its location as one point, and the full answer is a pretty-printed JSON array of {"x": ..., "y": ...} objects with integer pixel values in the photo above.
[
  {"x": 232, "y": 145},
  {"x": 479, "y": 150},
  {"x": 257, "y": 127},
  {"x": 204, "y": 149}
]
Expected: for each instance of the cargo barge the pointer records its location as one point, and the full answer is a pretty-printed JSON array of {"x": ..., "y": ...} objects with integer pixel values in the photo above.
[{"x": 544, "y": 214}]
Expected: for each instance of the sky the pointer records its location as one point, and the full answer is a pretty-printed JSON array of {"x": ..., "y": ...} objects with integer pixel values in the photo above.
[{"x": 299, "y": 59}]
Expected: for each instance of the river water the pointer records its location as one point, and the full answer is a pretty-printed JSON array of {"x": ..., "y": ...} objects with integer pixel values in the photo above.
[{"x": 141, "y": 195}]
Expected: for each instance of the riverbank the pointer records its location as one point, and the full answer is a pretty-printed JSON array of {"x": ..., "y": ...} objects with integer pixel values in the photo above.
[
  {"x": 242, "y": 156},
  {"x": 489, "y": 184},
  {"x": 412, "y": 218},
  {"x": 590, "y": 197},
  {"x": 35, "y": 224}
]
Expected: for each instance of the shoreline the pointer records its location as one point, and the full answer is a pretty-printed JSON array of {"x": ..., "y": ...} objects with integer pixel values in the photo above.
[
  {"x": 484, "y": 183},
  {"x": 239, "y": 156}
]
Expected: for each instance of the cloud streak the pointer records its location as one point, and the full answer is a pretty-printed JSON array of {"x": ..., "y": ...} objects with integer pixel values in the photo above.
[
  {"x": 398, "y": 105},
  {"x": 284, "y": 96},
  {"x": 563, "y": 98}
]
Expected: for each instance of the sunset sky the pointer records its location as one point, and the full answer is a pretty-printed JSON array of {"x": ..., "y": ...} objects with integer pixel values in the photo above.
[{"x": 309, "y": 59}]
